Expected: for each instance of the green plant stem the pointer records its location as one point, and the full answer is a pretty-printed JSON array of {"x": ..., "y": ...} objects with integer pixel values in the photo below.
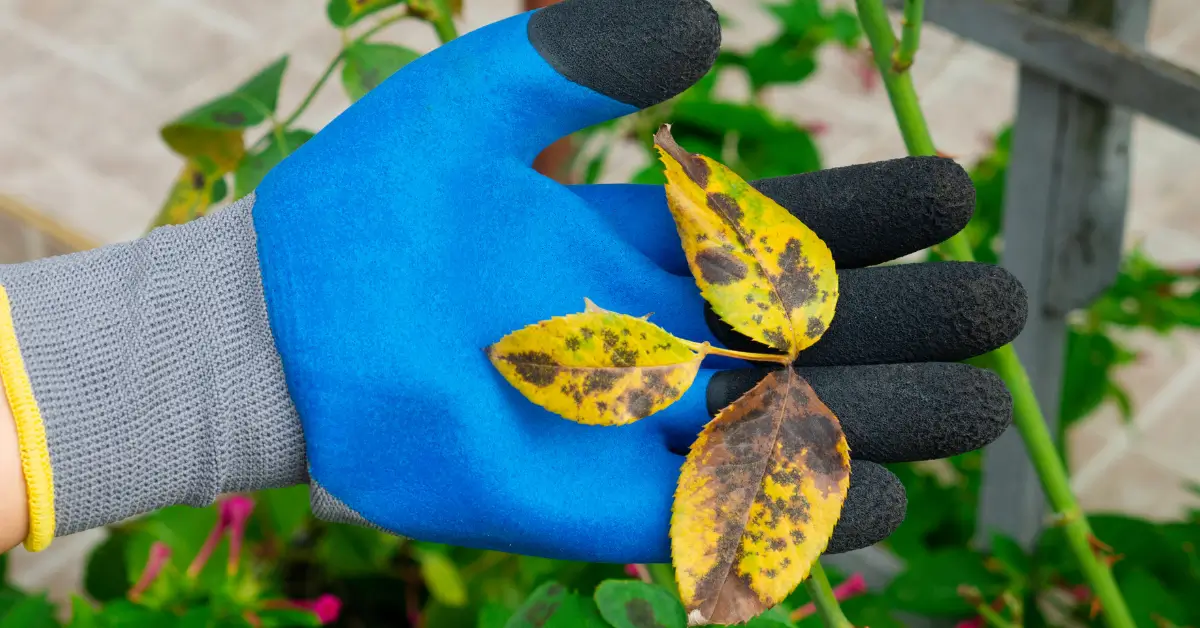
[
  {"x": 910, "y": 35},
  {"x": 1027, "y": 414},
  {"x": 993, "y": 619},
  {"x": 312, "y": 93},
  {"x": 823, "y": 599}
]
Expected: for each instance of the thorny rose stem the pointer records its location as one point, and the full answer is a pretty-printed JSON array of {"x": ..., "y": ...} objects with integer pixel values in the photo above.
[{"x": 1027, "y": 415}]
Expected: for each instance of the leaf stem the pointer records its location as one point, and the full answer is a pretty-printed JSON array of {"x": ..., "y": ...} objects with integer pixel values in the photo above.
[
  {"x": 704, "y": 348},
  {"x": 992, "y": 618},
  {"x": 910, "y": 35},
  {"x": 312, "y": 93},
  {"x": 1027, "y": 414},
  {"x": 823, "y": 599}
]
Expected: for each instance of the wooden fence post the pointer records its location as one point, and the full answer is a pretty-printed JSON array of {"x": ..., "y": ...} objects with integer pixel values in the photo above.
[{"x": 1065, "y": 204}]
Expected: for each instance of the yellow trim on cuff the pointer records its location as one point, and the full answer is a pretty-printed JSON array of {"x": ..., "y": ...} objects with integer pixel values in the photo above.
[{"x": 31, "y": 433}]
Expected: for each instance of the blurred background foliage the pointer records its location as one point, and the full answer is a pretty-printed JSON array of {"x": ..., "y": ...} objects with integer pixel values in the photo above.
[{"x": 262, "y": 560}]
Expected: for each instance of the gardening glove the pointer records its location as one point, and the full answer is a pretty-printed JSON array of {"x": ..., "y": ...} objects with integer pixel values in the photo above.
[{"x": 329, "y": 328}]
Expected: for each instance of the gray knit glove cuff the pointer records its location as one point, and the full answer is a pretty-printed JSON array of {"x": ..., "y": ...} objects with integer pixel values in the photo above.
[{"x": 155, "y": 373}]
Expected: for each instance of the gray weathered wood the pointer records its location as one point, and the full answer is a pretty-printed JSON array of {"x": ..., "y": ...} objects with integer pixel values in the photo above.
[
  {"x": 1065, "y": 201},
  {"x": 1097, "y": 62}
]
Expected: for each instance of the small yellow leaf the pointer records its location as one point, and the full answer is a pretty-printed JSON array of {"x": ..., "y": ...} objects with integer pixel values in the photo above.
[
  {"x": 597, "y": 367},
  {"x": 190, "y": 195},
  {"x": 763, "y": 271},
  {"x": 757, "y": 500},
  {"x": 590, "y": 306}
]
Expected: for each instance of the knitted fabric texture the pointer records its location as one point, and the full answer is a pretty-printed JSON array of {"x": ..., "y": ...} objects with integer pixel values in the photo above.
[{"x": 156, "y": 372}]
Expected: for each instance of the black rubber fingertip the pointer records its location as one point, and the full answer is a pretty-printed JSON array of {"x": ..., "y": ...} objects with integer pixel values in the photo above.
[
  {"x": 872, "y": 213},
  {"x": 935, "y": 312},
  {"x": 910, "y": 412},
  {"x": 875, "y": 506},
  {"x": 640, "y": 52}
]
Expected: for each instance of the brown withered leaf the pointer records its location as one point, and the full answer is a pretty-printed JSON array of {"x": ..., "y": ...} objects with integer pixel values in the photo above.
[
  {"x": 757, "y": 500},
  {"x": 763, "y": 271},
  {"x": 597, "y": 367}
]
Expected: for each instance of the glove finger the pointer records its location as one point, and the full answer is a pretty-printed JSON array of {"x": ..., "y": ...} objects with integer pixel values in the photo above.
[
  {"x": 934, "y": 312},
  {"x": 890, "y": 412},
  {"x": 521, "y": 83},
  {"x": 875, "y": 506},
  {"x": 867, "y": 214}
]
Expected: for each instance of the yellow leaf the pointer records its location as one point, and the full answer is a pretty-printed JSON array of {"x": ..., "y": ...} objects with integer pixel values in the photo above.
[
  {"x": 597, "y": 367},
  {"x": 762, "y": 270},
  {"x": 190, "y": 195},
  {"x": 758, "y": 498},
  {"x": 590, "y": 306}
]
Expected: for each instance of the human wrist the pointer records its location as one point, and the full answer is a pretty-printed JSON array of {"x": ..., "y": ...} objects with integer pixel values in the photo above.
[
  {"x": 14, "y": 520},
  {"x": 154, "y": 374}
]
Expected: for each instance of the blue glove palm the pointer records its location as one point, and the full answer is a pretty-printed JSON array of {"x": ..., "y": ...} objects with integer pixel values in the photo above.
[{"x": 410, "y": 234}]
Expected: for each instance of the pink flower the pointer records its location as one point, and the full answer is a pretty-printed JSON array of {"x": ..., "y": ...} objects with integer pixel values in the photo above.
[
  {"x": 159, "y": 555},
  {"x": 639, "y": 571},
  {"x": 326, "y": 608},
  {"x": 235, "y": 511},
  {"x": 232, "y": 514},
  {"x": 970, "y": 623}
]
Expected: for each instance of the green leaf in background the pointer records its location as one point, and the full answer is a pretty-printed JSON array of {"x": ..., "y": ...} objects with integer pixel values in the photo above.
[
  {"x": 1087, "y": 375},
  {"x": 214, "y": 129},
  {"x": 280, "y": 617},
  {"x": 126, "y": 614},
  {"x": 493, "y": 615},
  {"x": 285, "y": 510},
  {"x": 82, "y": 614},
  {"x": 368, "y": 64},
  {"x": 256, "y": 165},
  {"x": 1148, "y": 599},
  {"x": 1010, "y": 555},
  {"x": 553, "y": 606},
  {"x": 33, "y": 611},
  {"x": 870, "y": 610},
  {"x": 3, "y": 568},
  {"x": 343, "y": 13},
  {"x": 220, "y": 190},
  {"x": 635, "y": 604},
  {"x": 797, "y": 16},
  {"x": 442, "y": 577},
  {"x": 846, "y": 28},
  {"x": 349, "y": 550},
  {"x": 930, "y": 585},
  {"x": 779, "y": 62},
  {"x": 106, "y": 576}
]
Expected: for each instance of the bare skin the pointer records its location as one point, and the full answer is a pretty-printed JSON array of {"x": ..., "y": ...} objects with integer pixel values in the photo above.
[{"x": 14, "y": 509}]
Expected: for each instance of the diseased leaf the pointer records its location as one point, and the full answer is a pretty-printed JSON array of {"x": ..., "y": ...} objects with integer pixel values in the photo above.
[
  {"x": 214, "y": 130},
  {"x": 635, "y": 604},
  {"x": 590, "y": 306},
  {"x": 597, "y": 367},
  {"x": 190, "y": 196},
  {"x": 343, "y": 13},
  {"x": 368, "y": 64},
  {"x": 256, "y": 165},
  {"x": 757, "y": 500},
  {"x": 762, "y": 270},
  {"x": 553, "y": 606}
]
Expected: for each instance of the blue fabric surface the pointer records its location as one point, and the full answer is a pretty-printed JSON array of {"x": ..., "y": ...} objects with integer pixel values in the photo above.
[{"x": 411, "y": 233}]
